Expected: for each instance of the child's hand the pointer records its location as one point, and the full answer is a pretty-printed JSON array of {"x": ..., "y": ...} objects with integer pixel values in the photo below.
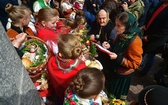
[
  {"x": 106, "y": 45},
  {"x": 113, "y": 55},
  {"x": 19, "y": 39}
]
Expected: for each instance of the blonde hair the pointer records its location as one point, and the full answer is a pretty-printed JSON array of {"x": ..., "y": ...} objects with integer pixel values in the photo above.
[
  {"x": 81, "y": 20},
  {"x": 45, "y": 14},
  {"x": 74, "y": 23},
  {"x": 70, "y": 22},
  {"x": 69, "y": 46},
  {"x": 17, "y": 12}
]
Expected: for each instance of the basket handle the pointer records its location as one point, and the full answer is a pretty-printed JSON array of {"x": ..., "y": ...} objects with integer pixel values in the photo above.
[{"x": 35, "y": 37}]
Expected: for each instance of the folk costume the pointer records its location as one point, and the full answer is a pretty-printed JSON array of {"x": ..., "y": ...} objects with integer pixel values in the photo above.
[
  {"x": 128, "y": 47},
  {"x": 67, "y": 10},
  {"x": 13, "y": 31},
  {"x": 61, "y": 72},
  {"x": 49, "y": 36},
  {"x": 71, "y": 98},
  {"x": 39, "y": 4}
]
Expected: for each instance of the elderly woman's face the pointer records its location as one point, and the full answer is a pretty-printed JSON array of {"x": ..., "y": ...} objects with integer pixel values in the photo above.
[
  {"x": 120, "y": 28},
  {"x": 102, "y": 18}
]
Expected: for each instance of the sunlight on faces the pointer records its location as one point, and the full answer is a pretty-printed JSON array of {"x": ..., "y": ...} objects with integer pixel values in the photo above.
[
  {"x": 102, "y": 17},
  {"x": 120, "y": 28},
  {"x": 51, "y": 24}
]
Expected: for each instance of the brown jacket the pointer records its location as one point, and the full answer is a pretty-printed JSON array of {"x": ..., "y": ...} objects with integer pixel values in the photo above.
[
  {"x": 12, "y": 33},
  {"x": 132, "y": 57}
]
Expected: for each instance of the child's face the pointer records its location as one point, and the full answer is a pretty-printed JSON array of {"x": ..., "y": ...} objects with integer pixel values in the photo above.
[
  {"x": 26, "y": 19},
  {"x": 51, "y": 24},
  {"x": 120, "y": 28}
]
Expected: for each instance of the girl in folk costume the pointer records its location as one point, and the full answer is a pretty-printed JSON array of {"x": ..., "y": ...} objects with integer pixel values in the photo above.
[
  {"x": 86, "y": 88},
  {"x": 39, "y": 4},
  {"x": 46, "y": 25},
  {"x": 125, "y": 57},
  {"x": 20, "y": 16},
  {"x": 65, "y": 65},
  {"x": 67, "y": 9}
]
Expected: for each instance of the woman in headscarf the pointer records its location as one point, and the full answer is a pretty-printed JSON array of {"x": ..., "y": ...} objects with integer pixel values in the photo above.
[{"x": 125, "y": 56}]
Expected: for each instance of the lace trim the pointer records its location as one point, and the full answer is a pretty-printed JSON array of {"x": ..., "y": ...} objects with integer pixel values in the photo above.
[{"x": 65, "y": 70}]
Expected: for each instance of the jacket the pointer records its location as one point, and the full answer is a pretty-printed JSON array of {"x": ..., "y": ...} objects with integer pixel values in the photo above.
[{"x": 137, "y": 9}]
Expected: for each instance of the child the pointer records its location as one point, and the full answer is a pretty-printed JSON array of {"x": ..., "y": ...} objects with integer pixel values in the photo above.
[
  {"x": 65, "y": 65},
  {"x": 75, "y": 24},
  {"x": 20, "y": 16},
  {"x": 46, "y": 25},
  {"x": 86, "y": 88},
  {"x": 67, "y": 9}
]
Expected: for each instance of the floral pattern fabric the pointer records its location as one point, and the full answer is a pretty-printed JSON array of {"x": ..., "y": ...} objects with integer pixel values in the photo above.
[{"x": 73, "y": 99}]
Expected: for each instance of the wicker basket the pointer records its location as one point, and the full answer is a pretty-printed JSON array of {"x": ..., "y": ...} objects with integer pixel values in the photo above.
[{"x": 35, "y": 72}]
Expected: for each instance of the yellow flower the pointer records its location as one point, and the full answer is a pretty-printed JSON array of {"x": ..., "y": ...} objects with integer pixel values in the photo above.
[
  {"x": 81, "y": 31},
  {"x": 117, "y": 102}
]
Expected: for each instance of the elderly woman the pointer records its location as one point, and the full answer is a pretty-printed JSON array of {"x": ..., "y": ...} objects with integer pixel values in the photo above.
[
  {"x": 125, "y": 56},
  {"x": 103, "y": 32}
]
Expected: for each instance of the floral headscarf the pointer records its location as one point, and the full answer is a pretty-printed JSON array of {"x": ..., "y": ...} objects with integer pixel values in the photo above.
[{"x": 131, "y": 27}]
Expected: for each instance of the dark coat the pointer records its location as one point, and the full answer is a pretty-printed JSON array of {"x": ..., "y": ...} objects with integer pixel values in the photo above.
[
  {"x": 157, "y": 33},
  {"x": 106, "y": 32}
]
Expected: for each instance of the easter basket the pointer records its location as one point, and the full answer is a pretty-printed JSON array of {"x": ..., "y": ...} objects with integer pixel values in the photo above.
[{"x": 35, "y": 56}]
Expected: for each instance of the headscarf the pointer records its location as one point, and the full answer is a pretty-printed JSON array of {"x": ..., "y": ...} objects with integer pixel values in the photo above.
[
  {"x": 131, "y": 27},
  {"x": 123, "y": 40}
]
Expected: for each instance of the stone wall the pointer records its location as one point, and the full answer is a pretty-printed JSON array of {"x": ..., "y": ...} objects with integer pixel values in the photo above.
[{"x": 16, "y": 88}]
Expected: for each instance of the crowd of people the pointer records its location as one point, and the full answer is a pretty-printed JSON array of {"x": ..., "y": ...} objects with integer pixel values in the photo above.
[{"x": 131, "y": 33}]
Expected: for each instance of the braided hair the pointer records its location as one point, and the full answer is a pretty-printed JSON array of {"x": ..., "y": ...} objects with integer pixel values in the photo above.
[{"x": 88, "y": 82}]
